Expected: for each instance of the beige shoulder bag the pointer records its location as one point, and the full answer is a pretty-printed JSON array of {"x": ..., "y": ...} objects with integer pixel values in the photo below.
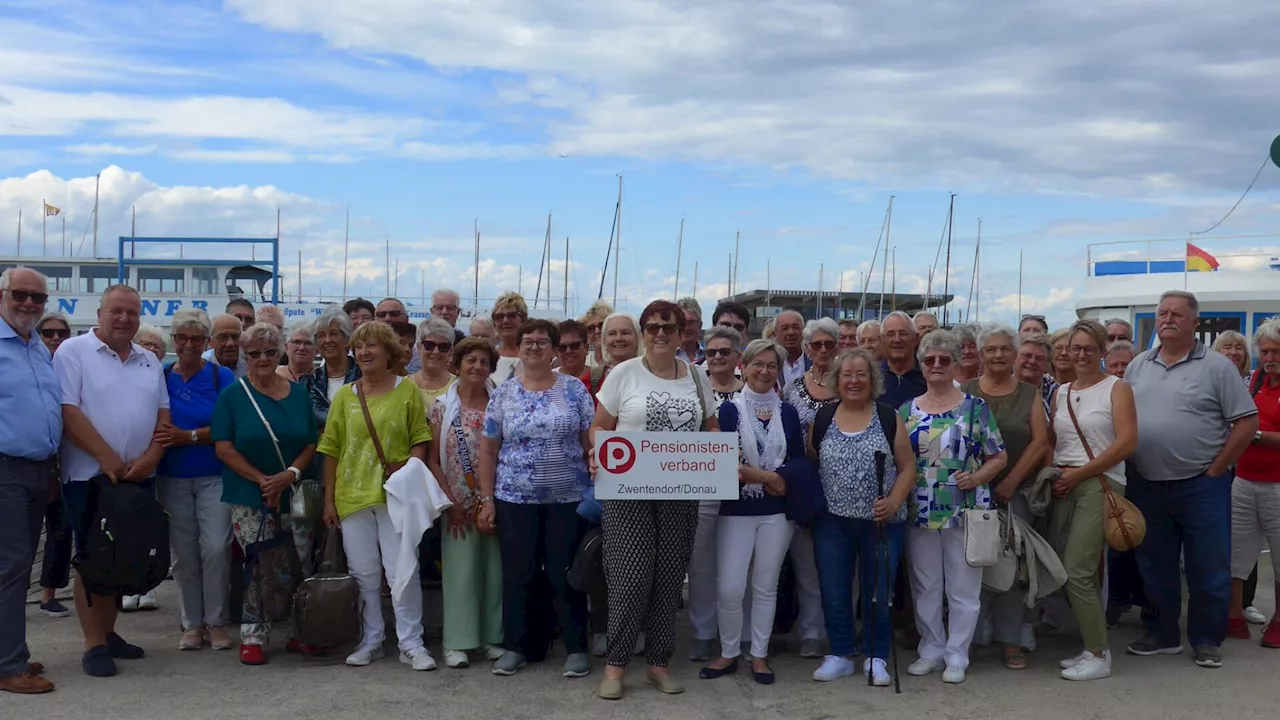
[{"x": 1123, "y": 523}]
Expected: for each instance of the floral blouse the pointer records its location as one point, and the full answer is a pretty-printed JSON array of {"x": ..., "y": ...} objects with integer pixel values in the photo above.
[
  {"x": 807, "y": 405},
  {"x": 958, "y": 440},
  {"x": 541, "y": 459},
  {"x": 847, "y": 468},
  {"x": 471, "y": 423}
]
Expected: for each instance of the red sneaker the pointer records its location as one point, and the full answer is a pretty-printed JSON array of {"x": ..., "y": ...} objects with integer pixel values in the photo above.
[
  {"x": 293, "y": 646},
  {"x": 1238, "y": 628},
  {"x": 1271, "y": 636},
  {"x": 252, "y": 655}
]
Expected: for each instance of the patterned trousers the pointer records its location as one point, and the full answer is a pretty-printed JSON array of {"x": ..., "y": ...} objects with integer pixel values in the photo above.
[
  {"x": 246, "y": 522},
  {"x": 647, "y": 546}
]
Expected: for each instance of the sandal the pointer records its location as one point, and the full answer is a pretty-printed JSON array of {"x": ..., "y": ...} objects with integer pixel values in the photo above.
[{"x": 1014, "y": 659}]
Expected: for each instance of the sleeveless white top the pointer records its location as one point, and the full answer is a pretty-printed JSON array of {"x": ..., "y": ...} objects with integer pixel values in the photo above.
[{"x": 1093, "y": 412}]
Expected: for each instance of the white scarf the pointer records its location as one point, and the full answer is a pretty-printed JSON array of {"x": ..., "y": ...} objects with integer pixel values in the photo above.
[{"x": 752, "y": 433}]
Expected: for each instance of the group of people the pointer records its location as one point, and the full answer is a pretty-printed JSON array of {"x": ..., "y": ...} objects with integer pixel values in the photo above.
[{"x": 898, "y": 427}]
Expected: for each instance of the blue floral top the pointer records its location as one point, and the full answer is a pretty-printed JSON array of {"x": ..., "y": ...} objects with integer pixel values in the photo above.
[
  {"x": 847, "y": 466},
  {"x": 541, "y": 459},
  {"x": 958, "y": 440}
]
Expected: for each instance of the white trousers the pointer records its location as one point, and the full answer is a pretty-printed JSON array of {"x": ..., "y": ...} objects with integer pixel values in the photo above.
[
  {"x": 937, "y": 565},
  {"x": 752, "y": 548},
  {"x": 702, "y": 572},
  {"x": 372, "y": 544},
  {"x": 810, "y": 624}
]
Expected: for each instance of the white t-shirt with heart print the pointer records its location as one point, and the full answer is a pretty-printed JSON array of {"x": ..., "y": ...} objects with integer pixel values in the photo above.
[{"x": 643, "y": 401}]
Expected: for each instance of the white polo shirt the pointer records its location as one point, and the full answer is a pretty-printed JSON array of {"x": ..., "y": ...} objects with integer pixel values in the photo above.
[{"x": 121, "y": 399}]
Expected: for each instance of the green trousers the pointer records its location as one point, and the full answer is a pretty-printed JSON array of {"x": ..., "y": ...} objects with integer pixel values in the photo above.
[
  {"x": 472, "y": 587},
  {"x": 1085, "y": 544}
]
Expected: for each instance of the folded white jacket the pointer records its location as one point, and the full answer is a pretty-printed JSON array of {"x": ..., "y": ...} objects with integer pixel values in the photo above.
[{"x": 414, "y": 502}]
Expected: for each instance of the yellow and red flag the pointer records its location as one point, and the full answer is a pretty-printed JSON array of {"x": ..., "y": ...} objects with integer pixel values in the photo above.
[
  {"x": 51, "y": 211},
  {"x": 1200, "y": 261}
]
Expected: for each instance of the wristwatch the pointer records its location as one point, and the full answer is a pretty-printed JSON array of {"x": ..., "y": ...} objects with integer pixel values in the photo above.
[
  {"x": 1257, "y": 436},
  {"x": 195, "y": 437}
]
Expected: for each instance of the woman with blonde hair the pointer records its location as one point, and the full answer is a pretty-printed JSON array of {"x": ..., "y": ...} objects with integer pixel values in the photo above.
[
  {"x": 435, "y": 348},
  {"x": 1094, "y": 429},
  {"x": 1235, "y": 348},
  {"x": 1062, "y": 368},
  {"x": 593, "y": 319},
  {"x": 509, "y": 312}
]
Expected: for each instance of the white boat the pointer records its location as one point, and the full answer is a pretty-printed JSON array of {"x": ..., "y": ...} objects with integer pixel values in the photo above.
[{"x": 1125, "y": 280}]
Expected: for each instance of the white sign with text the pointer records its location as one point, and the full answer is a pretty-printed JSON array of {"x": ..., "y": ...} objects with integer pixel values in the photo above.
[{"x": 667, "y": 466}]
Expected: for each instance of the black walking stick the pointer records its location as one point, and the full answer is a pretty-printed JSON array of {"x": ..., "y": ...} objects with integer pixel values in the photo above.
[{"x": 883, "y": 547}]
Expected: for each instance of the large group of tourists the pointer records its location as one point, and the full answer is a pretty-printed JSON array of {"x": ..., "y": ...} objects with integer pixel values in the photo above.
[{"x": 876, "y": 460}]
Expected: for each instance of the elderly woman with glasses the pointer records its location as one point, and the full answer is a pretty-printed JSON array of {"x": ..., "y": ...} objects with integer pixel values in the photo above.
[
  {"x": 382, "y": 405},
  {"x": 149, "y": 337},
  {"x": 509, "y": 312},
  {"x": 1095, "y": 428},
  {"x": 970, "y": 356},
  {"x": 435, "y": 348},
  {"x": 573, "y": 350},
  {"x": 55, "y": 565},
  {"x": 647, "y": 543},
  {"x": 189, "y": 485},
  {"x": 337, "y": 368},
  {"x": 1022, "y": 424},
  {"x": 593, "y": 321},
  {"x": 300, "y": 352},
  {"x": 533, "y": 472},
  {"x": 864, "y": 528},
  {"x": 1032, "y": 364},
  {"x": 753, "y": 532},
  {"x": 1119, "y": 354},
  {"x": 1062, "y": 367},
  {"x": 260, "y": 463},
  {"x": 724, "y": 355},
  {"x": 959, "y": 451}
]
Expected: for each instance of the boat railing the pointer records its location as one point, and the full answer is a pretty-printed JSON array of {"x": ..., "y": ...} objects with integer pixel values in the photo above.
[
  {"x": 1169, "y": 255},
  {"x": 469, "y": 306}
]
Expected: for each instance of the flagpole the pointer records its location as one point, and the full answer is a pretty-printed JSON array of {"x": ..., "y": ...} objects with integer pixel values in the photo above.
[
  {"x": 19, "y": 232},
  {"x": 64, "y": 234},
  {"x": 44, "y": 224}
]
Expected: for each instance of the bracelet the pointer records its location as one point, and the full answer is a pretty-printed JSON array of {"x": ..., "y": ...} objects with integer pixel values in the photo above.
[
  {"x": 486, "y": 499},
  {"x": 297, "y": 474}
]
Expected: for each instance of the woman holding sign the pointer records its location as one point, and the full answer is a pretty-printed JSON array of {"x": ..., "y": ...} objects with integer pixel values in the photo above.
[
  {"x": 754, "y": 532},
  {"x": 647, "y": 543}
]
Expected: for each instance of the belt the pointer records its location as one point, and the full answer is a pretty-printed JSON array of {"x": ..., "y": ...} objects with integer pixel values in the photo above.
[{"x": 28, "y": 461}]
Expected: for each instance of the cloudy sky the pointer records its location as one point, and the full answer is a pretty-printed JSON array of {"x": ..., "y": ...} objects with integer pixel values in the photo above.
[{"x": 792, "y": 122}]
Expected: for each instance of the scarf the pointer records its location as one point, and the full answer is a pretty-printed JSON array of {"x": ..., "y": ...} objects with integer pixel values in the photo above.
[{"x": 763, "y": 448}]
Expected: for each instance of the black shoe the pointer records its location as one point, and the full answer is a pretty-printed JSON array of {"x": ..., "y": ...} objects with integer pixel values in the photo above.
[
  {"x": 764, "y": 678},
  {"x": 122, "y": 650},
  {"x": 710, "y": 673},
  {"x": 1150, "y": 646},
  {"x": 97, "y": 662}
]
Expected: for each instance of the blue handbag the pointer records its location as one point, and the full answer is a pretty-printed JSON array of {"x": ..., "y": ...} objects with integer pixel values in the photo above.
[{"x": 589, "y": 508}]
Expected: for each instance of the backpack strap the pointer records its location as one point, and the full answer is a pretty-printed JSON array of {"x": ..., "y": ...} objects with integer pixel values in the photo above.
[
  {"x": 596, "y": 378},
  {"x": 1259, "y": 377},
  {"x": 821, "y": 423},
  {"x": 888, "y": 423}
]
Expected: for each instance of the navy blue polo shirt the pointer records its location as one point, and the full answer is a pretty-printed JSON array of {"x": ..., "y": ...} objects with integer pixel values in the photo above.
[{"x": 190, "y": 408}]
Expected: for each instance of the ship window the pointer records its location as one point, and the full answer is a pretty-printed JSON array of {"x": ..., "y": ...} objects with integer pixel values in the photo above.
[
  {"x": 1211, "y": 327},
  {"x": 205, "y": 280},
  {"x": 95, "y": 279},
  {"x": 59, "y": 276},
  {"x": 160, "y": 280}
]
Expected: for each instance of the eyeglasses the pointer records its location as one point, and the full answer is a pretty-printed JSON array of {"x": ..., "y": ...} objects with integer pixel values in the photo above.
[
  {"x": 937, "y": 361},
  {"x": 719, "y": 352},
  {"x": 1114, "y": 338},
  {"x": 823, "y": 344},
  {"x": 740, "y": 327},
  {"x": 388, "y": 314},
  {"x": 255, "y": 354},
  {"x": 226, "y": 337},
  {"x": 571, "y": 346},
  {"x": 539, "y": 343},
  {"x": 993, "y": 349},
  {"x": 594, "y": 327},
  {"x": 1083, "y": 350},
  {"x": 764, "y": 367},
  {"x": 664, "y": 328},
  {"x": 505, "y": 316},
  {"x": 153, "y": 346},
  {"x": 55, "y": 333},
  {"x": 300, "y": 343},
  {"x": 22, "y": 296},
  {"x": 187, "y": 339},
  {"x": 444, "y": 308},
  {"x": 430, "y": 346}
]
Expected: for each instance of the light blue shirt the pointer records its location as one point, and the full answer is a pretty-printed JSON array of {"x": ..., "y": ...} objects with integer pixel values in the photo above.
[
  {"x": 30, "y": 402},
  {"x": 240, "y": 370}
]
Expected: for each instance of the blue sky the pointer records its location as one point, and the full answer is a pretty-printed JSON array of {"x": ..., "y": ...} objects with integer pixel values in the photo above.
[{"x": 791, "y": 122}]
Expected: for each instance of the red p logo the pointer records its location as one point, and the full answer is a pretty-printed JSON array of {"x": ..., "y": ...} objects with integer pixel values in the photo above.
[{"x": 617, "y": 455}]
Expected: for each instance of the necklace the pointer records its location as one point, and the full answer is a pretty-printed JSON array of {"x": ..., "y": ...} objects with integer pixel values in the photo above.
[{"x": 675, "y": 369}]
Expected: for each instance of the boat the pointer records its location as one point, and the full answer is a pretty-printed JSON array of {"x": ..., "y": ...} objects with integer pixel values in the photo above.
[{"x": 1237, "y": 289}]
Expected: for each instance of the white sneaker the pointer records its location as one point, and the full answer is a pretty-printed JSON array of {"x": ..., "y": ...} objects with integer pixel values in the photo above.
[
  {"x": 365, "y": 655},
  {"x": 923, "y": 667},
  {"x": 833, "y": 667},
  {"x": 1254, "y": 616},
  {"x": 419, "y": 659},
  {"x": 953, "y": 674},
  {"x": 493, "y": 652},
  {"x": 1073, "y": 661},
  {"x": 1090, "y": 667},
  {"x": 878, "y": 670},
  {"x": 148, "y": 601},
  {"x": 1028, "y": 639},
  {"x": 129, "y": 603},
  {"x": 457, "y": 659}
]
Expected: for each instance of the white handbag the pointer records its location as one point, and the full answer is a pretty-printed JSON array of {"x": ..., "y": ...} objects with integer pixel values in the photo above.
[{"x": 982, "y": 537}]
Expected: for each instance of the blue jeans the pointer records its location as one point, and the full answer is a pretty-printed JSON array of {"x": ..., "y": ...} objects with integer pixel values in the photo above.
[
  {"x": 840, "y": 546},
  {"x": 1191, "y": 517}
]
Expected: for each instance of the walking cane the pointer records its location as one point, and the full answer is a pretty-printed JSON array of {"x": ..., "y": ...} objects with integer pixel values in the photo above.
[{"x": 883, "y": 547}]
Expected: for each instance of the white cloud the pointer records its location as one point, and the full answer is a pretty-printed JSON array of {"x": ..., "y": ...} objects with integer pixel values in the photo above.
[
  {"x": 96, "y": 149},
  {"x": 1055, "y": 300}
]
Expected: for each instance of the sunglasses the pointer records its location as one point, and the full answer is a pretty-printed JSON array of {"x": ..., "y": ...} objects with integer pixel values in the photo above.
[
  {"x": 719, "y": 352},
  {"x": 571, "y": 346},
  {"x": 22, "y": 296},
  {"x": 594, "y": 327},
  {"x": 740, "y": 327},
  {"x": 55, "y": 333},
  {"x": 665, "y": 328},
  {"x": 937, "y": 361},
  {"x": 255, "y": 354},
  {"x": 430, "y": 346},
  {"x": 823, "y": 344},
  {"x": 504, "y": 316}
]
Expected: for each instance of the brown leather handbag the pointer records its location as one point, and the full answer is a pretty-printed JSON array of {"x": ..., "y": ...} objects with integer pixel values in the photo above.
[
  {"x": 326, "y": 607},
  {"x": 1123, "y": 523}
]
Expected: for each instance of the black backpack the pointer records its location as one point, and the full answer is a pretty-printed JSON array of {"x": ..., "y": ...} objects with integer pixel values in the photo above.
[
  {"x": 124, "y": 541},
  {"x": 827, "y": 413}
]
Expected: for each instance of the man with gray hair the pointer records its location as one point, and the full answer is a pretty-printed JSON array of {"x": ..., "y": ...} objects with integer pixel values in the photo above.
[
  {"x": 789, "y": 332},
  {"x": 446, "y": 304},
  {"x": 691, "y": 350},
  {"x": 924, "y": 322},
  {"x": 869, "y": 337},
  {"x": 903, "y": 380},
  {"x": 1195, "y": 419},
  {"x": 1119, "y": 331},
  {"x": 30, "y": 432},
  {"x": 225, "y": 345}
]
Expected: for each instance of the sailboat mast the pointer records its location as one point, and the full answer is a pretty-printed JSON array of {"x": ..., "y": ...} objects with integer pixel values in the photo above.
[
  {"x": 973, "y": 280},
  {"x": 893, "y": 277},
  {"x": 675, "y": 292},
  {"x": 544, "y": 263},
  {"x": 566, "y": 276},
  {"x": 695, "y": 278},
  {"x": 821, "y": 270},
  {"x": 737, "y": 246},
  {"x": 1019, "y": 286},
  {"x": 946, "y": 276},
  {"x": 977, "y": 275},
  {"x": 97, "y": 182},
  {"x": 476, "y": 296},
  {"x": 387, "y": 262},
  {"x": 618, "y": 257},
  {"x": 346, "y": 246}
]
